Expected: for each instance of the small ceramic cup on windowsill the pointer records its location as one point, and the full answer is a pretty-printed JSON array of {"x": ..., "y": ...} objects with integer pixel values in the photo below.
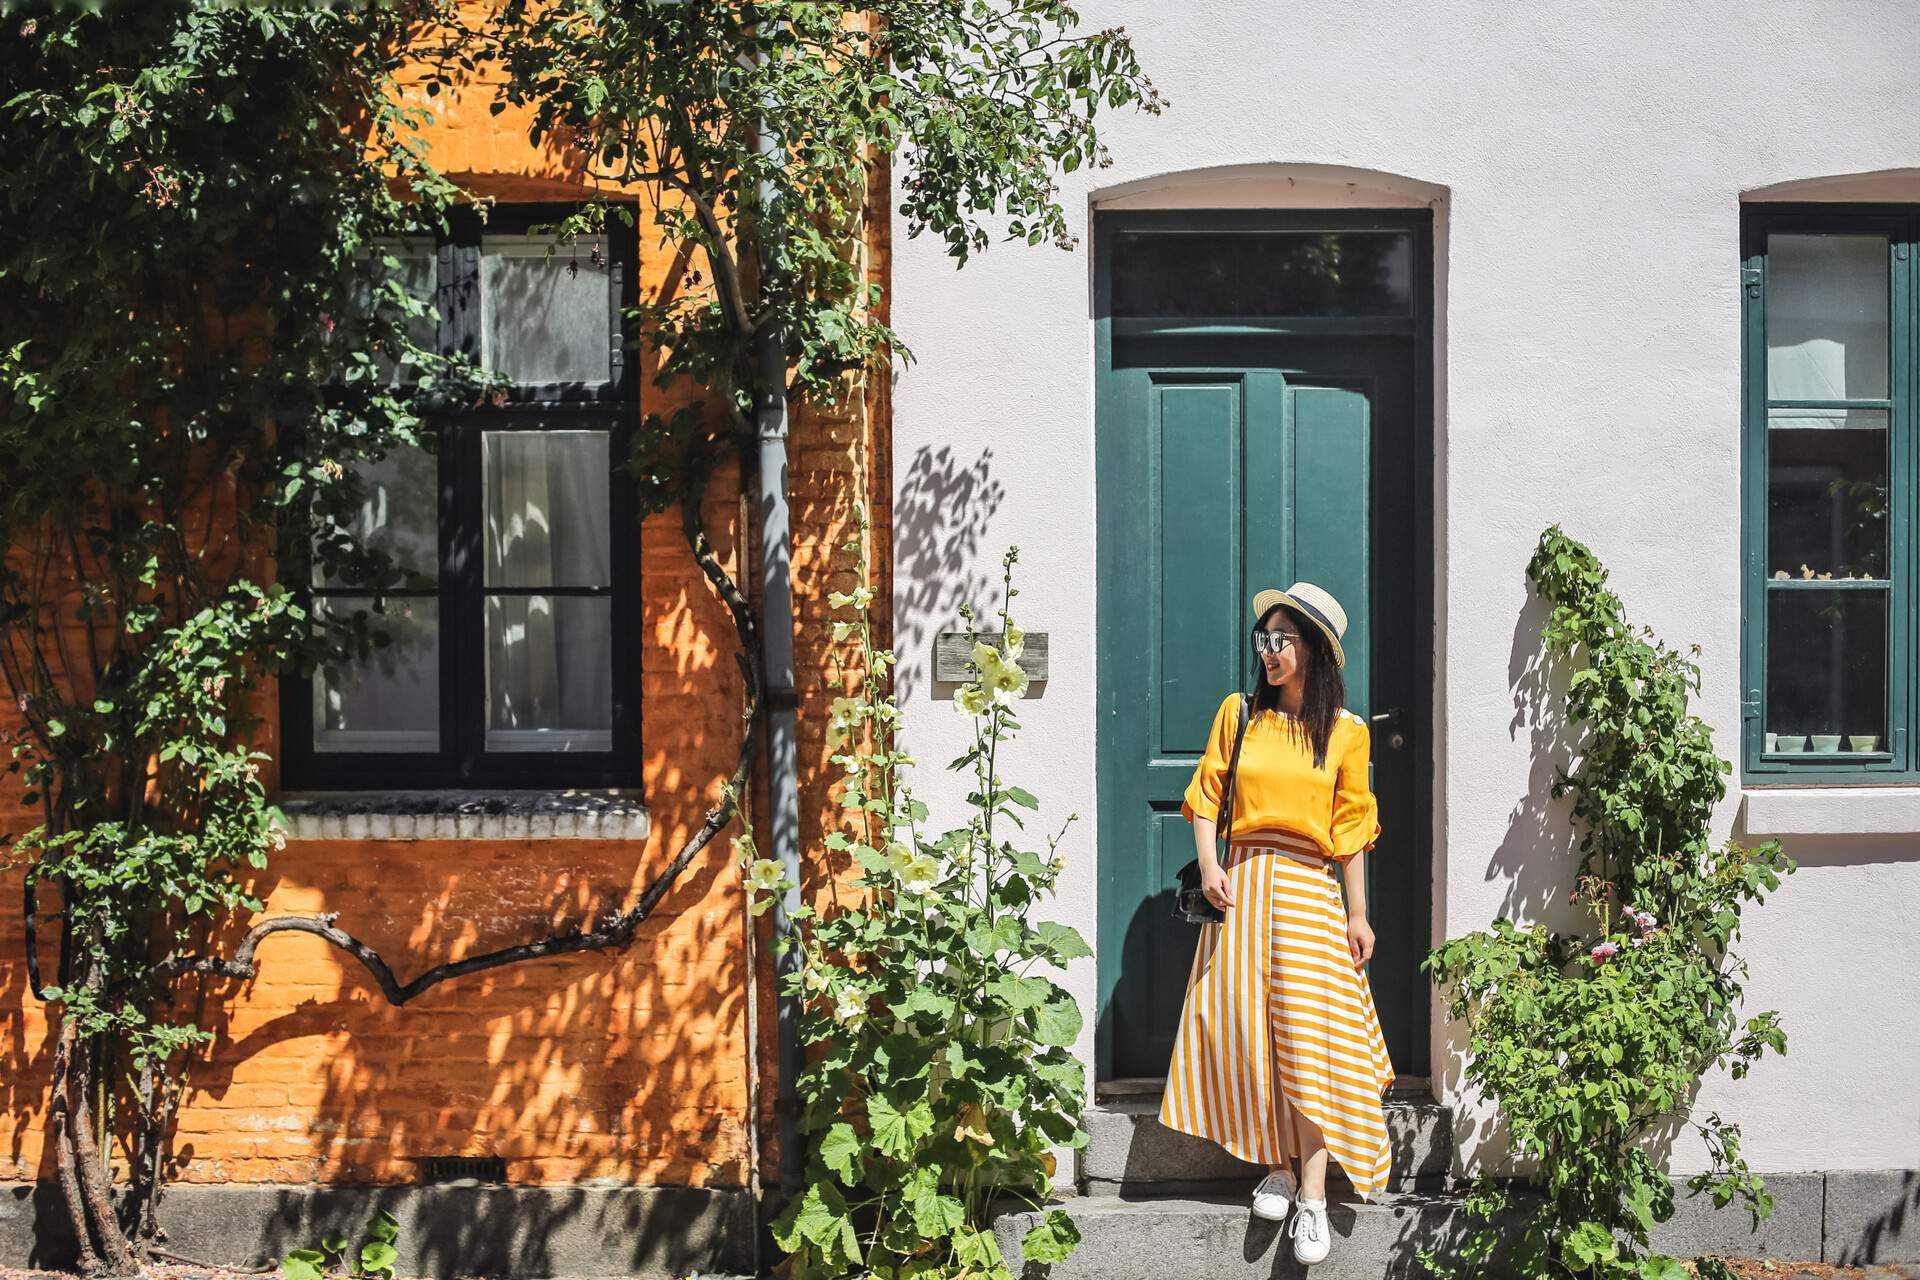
[
  {"x": 1862, "y": 741},
  {"x": 1789, "y": 743},
  {"x": 1825, "y": 743}
]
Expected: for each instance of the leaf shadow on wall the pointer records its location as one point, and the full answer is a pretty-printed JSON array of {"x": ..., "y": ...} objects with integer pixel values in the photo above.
[{"x": 941, "y": 513}]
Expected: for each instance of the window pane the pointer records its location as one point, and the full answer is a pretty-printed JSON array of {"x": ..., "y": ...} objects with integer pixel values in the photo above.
[
  {"x": 1263, "y": 273},
  {"x": 549, "y": 673},
  {"x": 1827, "y": 669},
  {"x": 546, "y": 319},
  {"x": 1827, "y": 317},
  {"x": 1827, "y": 496},
  {"x": 390, "y": 702},
  {"x": 399, "y": 514},
  {"x": 545, "y": 504}
]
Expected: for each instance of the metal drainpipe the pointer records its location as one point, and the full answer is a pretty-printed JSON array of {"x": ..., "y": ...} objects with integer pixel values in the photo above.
[{"x": 783, "y": 789}]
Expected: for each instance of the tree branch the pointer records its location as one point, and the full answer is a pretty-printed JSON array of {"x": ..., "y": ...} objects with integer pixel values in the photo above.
[{"x": 616, "y": 931}]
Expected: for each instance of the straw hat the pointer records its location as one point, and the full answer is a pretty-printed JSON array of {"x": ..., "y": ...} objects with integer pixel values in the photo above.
[{"x": 1314, "y": 604}]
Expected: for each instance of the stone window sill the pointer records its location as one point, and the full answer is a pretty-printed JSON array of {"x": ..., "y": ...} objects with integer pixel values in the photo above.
[
  {"x": 1826, "y": 811},
  {"x": 465, "y": 815}
]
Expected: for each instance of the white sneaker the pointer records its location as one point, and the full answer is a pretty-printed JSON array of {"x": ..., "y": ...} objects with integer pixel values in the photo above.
[
  {"x": 1312, "y": 1241},
  {"x": 1274, "y": 1196}
]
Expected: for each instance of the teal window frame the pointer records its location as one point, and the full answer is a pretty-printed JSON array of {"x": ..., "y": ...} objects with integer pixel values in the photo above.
[{"x": 1897, "y": 762}]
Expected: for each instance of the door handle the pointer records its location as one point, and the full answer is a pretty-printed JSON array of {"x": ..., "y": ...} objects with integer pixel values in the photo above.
[{"x": 1395, "y": 718}]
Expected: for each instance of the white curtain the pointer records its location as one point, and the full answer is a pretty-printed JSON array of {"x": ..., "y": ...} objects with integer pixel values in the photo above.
[{"x": 549, "y": 657}]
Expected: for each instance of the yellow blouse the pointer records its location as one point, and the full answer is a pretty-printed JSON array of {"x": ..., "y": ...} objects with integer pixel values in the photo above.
[{"x": 1277, "y": 787}]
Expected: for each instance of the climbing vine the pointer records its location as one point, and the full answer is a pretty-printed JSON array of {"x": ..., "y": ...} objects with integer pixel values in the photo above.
[
  {"x": 1590, "y": 1039},
  {"x": 197, "y": 324}
]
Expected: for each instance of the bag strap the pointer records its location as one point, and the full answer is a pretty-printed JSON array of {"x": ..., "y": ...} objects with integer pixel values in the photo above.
[{"x": 1233, "y": 768}]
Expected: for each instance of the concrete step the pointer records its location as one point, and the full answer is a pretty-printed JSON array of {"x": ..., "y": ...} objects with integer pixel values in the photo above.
[
  {"x": 1216, "y": 1238},
  {"x": 1130, "y": 1152}
]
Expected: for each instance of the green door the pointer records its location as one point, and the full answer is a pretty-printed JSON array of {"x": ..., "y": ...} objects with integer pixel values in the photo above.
[{"x": 1260, "y": 419}]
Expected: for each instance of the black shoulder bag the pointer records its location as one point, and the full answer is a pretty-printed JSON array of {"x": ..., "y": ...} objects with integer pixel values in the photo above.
[{"x": 1190, "y": 905}]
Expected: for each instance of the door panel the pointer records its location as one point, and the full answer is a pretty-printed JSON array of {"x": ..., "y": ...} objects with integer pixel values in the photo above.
[
  {"x": 1196, "y": 441},
  {"x": 1229, "y": 461}
]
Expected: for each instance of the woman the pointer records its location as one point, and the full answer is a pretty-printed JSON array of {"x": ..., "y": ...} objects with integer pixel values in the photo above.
[{"x": 1279, "y": 1055}]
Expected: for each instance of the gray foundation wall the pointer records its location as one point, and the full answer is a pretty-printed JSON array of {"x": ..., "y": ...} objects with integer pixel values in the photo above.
[
  {"x": 1845, "y": 1217},
  {"x": 657, "y": 1233}
]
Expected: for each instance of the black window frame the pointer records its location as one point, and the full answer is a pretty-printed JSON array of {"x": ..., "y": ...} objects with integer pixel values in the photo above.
[{"x": 463, "y": 761}]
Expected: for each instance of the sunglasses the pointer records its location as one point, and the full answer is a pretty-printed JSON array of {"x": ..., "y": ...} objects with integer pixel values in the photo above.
[{"x": 1273, "y": 641}]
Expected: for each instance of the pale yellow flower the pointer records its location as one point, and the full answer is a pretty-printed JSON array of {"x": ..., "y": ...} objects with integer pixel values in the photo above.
[
  {"x": 971, "y": 700},
  {"x": 765, "y": 876},
  {"x": 850, "y": 1010},
  {"x": 1003, "y": 681},
  {"x": 920, "y": 873},
  {"x": 841, "y": 718},
  {"x": 859, "y": 598},
  {"x": 1016, "y": 641}
]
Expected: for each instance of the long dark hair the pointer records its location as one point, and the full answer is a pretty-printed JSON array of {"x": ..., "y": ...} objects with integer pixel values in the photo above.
[{"x": 1325, "y": 692}]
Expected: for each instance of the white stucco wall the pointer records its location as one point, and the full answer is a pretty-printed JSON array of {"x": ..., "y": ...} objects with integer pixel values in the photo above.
[{"x": 1586, "y": 165}]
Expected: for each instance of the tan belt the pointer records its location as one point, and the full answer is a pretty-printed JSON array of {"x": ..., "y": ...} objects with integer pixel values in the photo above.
[{"x": 1304, "y": 856}]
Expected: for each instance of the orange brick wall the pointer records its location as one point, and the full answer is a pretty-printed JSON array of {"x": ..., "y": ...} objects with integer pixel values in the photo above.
[{"x": 633, "y": 1066}]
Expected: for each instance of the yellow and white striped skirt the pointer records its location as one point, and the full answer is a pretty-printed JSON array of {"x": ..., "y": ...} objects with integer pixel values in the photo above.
[{"x": 1277, "y": 1018}]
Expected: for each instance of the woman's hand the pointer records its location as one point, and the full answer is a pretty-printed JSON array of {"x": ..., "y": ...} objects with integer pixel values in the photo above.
[
  {"x": 1359, "y": 940},
  {"x": 1214, "y": 884}
]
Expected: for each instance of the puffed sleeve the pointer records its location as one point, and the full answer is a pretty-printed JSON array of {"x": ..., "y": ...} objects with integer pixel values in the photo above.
[
  {"x": 1356, "y": 814},
  {"x": 1202, "y": 799}
]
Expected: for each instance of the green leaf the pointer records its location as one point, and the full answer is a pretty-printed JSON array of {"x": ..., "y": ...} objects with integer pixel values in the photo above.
[
  {"x": 1661, "y": 1267},
  {"x": 1064, "y": 942},
  {"x": 1058, "y": 1021},
  {"x": 813, "y": 1218},
  {"x": 1020, "y": 796},
  {"x": 303, "y": 1264},
  {"x": 925, "y": 999},
  {"x": 1589, "y": 1243},
  {"x": 840, "y": 1152},
  {"x": 1020, "y": 994},
  {"x": 897, "y": 1132},
  {"x": 936, "y": 1216},
  {"x": 1002, "y": 935},
  {"x": 384, "y": 1227},
  {"x": 378, "y": 1256},
  {"x": 976, "y": 1249},
  {"x": 1052, "y": 1239}
]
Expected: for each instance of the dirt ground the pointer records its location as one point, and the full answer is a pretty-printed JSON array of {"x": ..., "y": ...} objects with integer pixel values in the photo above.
[{"x": 1783, "y": 1269}]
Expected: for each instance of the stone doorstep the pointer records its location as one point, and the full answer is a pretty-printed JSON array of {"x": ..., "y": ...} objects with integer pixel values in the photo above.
[
  {"x": 1129, "y": 1151},
  {"x": 1216, "y": 1238}
]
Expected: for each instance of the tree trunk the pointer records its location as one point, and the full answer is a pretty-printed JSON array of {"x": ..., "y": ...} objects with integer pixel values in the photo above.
[{"x": 60, "y": 1130}]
